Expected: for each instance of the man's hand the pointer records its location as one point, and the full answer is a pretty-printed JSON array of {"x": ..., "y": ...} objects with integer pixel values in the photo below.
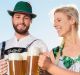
[{"x": 3, "y": 66}]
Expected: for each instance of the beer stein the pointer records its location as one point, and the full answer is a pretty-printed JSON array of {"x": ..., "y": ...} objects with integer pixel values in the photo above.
[
  {"x": 25, "y": 62},
  {"x": 16, "y": 64},
  {"x": 33, "y": 56}
]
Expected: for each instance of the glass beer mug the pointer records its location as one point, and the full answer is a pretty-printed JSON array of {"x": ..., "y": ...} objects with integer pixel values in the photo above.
[
  {"x": 17, "y": 65},
  {"x": 25, "y": 62},
  {"x": 33, "y": 56}
]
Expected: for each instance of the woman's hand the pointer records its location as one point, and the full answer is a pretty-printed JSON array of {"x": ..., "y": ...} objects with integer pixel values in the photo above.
[
  {"x": 3, "y": 66},
  {"x": 44, "y": 61}
]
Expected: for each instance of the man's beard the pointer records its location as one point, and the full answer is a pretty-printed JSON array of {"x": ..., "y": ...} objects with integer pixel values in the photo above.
[{"x": 21, "y": 31}]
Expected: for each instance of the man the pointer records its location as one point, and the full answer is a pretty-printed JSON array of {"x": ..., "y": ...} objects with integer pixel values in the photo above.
[{"x": 21, "y": 19}]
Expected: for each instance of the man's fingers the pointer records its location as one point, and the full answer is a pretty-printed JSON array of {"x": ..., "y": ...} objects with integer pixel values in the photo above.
[
  {"x": 3, "y": 67},
  {"x": 4, "y": 71}
]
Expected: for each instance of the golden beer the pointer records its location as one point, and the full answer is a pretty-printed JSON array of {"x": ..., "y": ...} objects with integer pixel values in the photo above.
[
  {"x": 32, "y": 58},
  {"x": 33, "y": 68},
  {"x": 25, "y": 63},
  {"x": 17, "y": 66}
]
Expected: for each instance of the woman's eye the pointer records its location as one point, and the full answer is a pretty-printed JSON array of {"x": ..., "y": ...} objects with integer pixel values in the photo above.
[{"x": 59, "y": 20}]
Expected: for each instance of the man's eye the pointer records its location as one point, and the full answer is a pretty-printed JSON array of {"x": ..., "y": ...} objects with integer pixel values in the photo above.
[
  {"x": 26, "y": 18},
  {"x": 17, "y": 17}
]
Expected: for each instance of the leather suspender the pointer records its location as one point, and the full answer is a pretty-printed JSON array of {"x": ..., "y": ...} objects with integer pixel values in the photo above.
[
  {"x": 2, "y": 50},
  {"x": 31, "y": 43}
]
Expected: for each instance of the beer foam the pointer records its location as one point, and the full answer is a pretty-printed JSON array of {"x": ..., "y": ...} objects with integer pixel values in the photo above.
[
  {"x": 15, "y": 56},
  {"x": 33, "y": 51},
  {"x": 24, "y": 55}
]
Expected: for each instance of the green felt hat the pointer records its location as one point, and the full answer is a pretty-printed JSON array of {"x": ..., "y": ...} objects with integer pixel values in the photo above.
[{"x": 23, "y": 7}]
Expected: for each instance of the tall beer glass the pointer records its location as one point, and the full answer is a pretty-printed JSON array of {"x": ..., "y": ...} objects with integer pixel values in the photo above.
[
  {"x": 16, "y": 64},
  {"x": 33, "y": 56},
  {"x": 25, "y": 63}
]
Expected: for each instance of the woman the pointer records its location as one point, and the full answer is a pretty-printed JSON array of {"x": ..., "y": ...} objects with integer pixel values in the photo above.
[{"x": 64, "y": 59}]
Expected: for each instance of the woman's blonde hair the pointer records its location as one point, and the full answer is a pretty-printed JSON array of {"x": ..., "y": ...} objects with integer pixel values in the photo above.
[{"x": 70, "y": 12}]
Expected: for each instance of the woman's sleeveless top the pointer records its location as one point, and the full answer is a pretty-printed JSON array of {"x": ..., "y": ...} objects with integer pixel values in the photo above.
[{"x": 70, "y": 63}]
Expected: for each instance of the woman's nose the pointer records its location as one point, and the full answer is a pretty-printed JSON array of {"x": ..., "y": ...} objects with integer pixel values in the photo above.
[{"x": 56, "y": 23}]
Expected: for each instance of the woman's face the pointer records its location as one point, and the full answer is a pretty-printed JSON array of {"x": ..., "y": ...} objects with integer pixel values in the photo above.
[{"x": 62, "y": 24}]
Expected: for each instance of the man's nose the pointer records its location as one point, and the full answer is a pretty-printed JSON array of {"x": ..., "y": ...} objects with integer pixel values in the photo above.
[{"x": 22, "y": 20}]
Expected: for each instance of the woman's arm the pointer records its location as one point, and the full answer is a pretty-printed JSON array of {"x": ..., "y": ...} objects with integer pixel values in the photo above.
[
  {"x": 55, "y": 70},
  {"x": 47, "y": 64}
]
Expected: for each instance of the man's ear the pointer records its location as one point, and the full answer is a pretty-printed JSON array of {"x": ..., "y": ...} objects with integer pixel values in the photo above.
[{"x": 31, "y": 21}]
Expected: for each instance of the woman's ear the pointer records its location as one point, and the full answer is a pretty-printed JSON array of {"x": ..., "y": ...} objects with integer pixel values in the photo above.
[{"x": 72, "y": 20}]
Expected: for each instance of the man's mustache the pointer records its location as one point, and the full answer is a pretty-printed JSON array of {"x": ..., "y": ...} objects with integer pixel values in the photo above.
[{"x": 21, "y": 24}]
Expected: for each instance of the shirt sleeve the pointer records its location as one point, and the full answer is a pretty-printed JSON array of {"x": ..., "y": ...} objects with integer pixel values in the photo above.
[{"x": 40, "y": 45}]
